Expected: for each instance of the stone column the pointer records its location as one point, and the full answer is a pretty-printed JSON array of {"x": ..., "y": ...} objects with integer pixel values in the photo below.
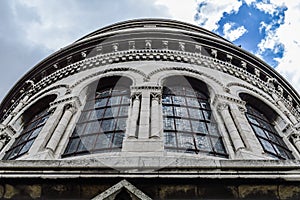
[
  {"x": 244, "y": 128},
  {"x": 230, "y": 125},
  {"x": 155, "y": 115},
  {"x": 144, "y": 115},
  {"x": 10, "y": 119},
  {"x": 69, "y": 110},
  {"x": 134, "y": 116}
]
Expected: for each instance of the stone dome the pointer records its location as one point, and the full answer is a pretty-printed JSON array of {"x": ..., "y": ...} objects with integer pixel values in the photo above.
[{"x": 151, "y": 94}]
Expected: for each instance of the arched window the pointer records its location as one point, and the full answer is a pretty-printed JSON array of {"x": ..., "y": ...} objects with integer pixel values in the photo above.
[
  {"x": 34, "y": 120},
  {"x": 102, "y": 123},
  {"x": 261, "y": 119},
  {"x": 188, "y": 122}
]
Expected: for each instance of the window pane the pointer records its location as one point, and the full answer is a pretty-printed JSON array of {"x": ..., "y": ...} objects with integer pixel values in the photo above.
[
  {"x": 218, "y": 145},
  {"x": 35, "y": 132},
  {"x": 193, "y": 102},
  {"x": 114, "y": 100},
  {"x": 282, "y": 152},
  {"x": 167, "y": 110},
  {"x": 167, "y": 100},
  {"x": 183, "y": 125},
  {"x": 202, "y": 143},
  {"x": 170, "y": 139},
  {"x": 23, "y": 138},
  {"x": 178, "y": 100},
  {"x": 213, "y": 129},
  {"x": 111, "y": 112},
  {"x": 264, "y": 125},
  {"x": 125, "y": 100},
  {"x": 103, "y": 141},
  {"x": 108, "y": 125},
  {"x": 84, "y": 116},
  {"x": 121, "y": 124},
  {"x": 207, "y": 114},
  {"x": 72, "y": 146},
  {"x": 15, "y": 152},
  {"x": 88, "y": 142},
  {"x": 196, "y": 114},
  {"x": 92, "y": 127},
  {"x": 42, "y": 121},
  {"x": 199, "y": 127},
  {"x": 81, "y": 147},
  {"x": 185, "y": 141},
  {"x": 180, "y": 112},
  {"x": 123, "y": 111},
  {"x": 169, "y": 124},
  {"x": 78, "y": 130},
  {"x": 26, "y": 147},
  {"x": 97, "y": 114},
  {"x": 267, "y": 146},
  {"x": 100, "y": 102},
  {"x": 259, "y": 131},
  {"x": 118, "y": 140},
  {"x": 252, "y": 119}
]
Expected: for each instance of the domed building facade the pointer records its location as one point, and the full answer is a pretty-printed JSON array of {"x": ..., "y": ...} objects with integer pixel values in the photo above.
[{"x": 150, "y": 109}]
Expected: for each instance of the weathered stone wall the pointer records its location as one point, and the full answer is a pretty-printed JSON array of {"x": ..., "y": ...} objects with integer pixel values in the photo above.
[{"x": 155, "y": 188}]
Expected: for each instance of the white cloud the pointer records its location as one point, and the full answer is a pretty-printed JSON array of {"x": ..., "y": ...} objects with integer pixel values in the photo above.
[
  {"x": 62, "y": 22},
  {"x": 249, "y": 2},
  {"x": 232, "y": 33},
  {"x": 180, "y": 10},
  {"x": 213, "y": 10},
  {"x": 288, "y": 34},
  {"x": 271, "y": 41},
  {"x": 266, "y": 7}
]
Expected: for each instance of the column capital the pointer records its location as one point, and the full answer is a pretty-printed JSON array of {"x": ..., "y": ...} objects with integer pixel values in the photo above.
[
  {"x": 156, "y": 96},
  {"x": 222, "y": 106},
  {"x": 135, "y": 95},
  {"x": 71, "y": 107}
]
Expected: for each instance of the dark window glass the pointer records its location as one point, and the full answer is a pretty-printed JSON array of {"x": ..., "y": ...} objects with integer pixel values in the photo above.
[
  {"x": 271, "y": 142},
  {"x": 188, "y": 124},
  {"x": 102, "y": 124},
  {"x": 24, "y": 141}
]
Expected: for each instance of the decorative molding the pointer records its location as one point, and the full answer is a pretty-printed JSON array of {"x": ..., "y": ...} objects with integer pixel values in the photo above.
[
  {"x": 111, "y": 192},
  {"x": 146, "y": 87},
  {"x": 228, "y": 98},
  {"x": 156, "y": 54},
  {"x": 187, "y": 69},
  {"x": 251, "y": 89},
  {"x": 69, "y": 102}
]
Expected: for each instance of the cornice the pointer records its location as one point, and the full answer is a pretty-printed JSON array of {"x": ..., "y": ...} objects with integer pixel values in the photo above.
[{"x": 181, "y": 56}]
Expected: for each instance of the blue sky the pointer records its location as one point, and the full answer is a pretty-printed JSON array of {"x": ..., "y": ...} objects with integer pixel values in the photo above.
[{"x": 32, "y": 30}]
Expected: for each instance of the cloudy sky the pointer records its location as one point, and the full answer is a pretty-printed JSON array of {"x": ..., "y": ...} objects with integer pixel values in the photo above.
[{"x": 30, "y": 30}]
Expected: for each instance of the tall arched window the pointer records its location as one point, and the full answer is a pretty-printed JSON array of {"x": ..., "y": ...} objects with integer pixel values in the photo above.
[
  {"x": 188, "y": 122},
  {"x": 102, "y": 123},
  {"x": 261, "y": 119},
  {"x": 34, "y": 120}
]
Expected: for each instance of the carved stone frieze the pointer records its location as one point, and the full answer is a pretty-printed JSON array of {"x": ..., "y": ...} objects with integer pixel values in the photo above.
[{"x": 163, "y": 54}]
